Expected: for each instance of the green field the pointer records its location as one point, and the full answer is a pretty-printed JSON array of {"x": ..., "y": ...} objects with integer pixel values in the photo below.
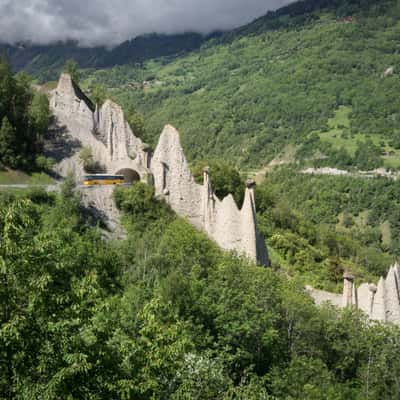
[
  {"x": 22, "y": 178},
  {"x": 340, "y": 136}
]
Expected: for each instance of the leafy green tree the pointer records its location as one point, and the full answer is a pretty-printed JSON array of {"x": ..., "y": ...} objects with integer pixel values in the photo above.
[
  {"x": 39, "y": 113},
  {"x": 138, "y": 201},
  {"x": 305, "y": 378},
  {"x": 136, "y": 122},
  {"x": 395, "y": 141},
  {"x": 99, "y": 95},
  {"x": 71, "y": 67},
  {"x": 367, "y": 156},
  {"x": 380, "y": 371},
  {"x": 8, "y": 143},
  {"x": 161, "y": 349},
  {"x": 251, "y": 387},
  {"x": 87, "y": 160},
  {"x": 90, "y": 165},
  {"x": 202, "y": 376},
  {"x": 25, "y": 118},
  {"x": 167, "y": 314},
  {"x": 45, "y": 163},
  {"x": 182, "y": 246},
  {"x": 225, "y": 179},
  {"x": 7, "y": 87},
  {"x": 51, "y": 291}
]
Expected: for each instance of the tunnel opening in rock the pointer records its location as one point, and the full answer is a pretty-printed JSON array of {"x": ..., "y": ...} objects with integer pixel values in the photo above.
[{"x": 130, "y": 175}]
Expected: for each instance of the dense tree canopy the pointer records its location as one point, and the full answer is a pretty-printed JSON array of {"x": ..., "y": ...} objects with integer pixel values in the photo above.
[
  {"x": 320, "y": 226},
  {"x": 71, "y": 67},
  {"x": 24, "y": 116},
  {"x": 225, "y": 178},
  {"x": 165, "y": 314}
]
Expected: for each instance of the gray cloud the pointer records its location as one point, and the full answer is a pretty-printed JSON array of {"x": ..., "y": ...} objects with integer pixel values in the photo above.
[{"x": 109, "y": 22}]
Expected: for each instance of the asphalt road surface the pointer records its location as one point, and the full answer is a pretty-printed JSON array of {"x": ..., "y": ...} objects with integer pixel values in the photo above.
[{"x": 48, "y": 188}]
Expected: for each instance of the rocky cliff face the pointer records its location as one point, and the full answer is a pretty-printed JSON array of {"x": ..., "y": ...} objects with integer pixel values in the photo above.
[
  {"x": 103, "y": 130},
  {"x": 116, "y": 148},
  {"x": 112, "y": 129},
  {"x": 233, "y": 229},
  {"x": 173, "y": 180}
]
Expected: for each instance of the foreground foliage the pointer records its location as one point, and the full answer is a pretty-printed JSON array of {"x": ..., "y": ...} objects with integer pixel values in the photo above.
[{"x": 165, "y": 314}]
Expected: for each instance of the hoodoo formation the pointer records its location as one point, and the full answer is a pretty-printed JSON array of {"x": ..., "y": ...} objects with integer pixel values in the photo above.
[
  {"x": 380, "y": 303},
  {"x": 104, "y": 130},
  {"x": 114, "y": 146}
]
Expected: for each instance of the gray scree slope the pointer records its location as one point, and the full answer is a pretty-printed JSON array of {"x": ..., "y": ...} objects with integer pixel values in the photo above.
[{"x": 115, "y": 147}]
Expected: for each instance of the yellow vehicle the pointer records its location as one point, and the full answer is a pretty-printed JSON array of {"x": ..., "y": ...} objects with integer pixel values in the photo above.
[{"x": 103, "y": 179}]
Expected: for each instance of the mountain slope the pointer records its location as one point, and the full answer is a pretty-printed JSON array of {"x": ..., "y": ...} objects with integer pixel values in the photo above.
[
  {"x": 280, "y": 81},
  {"x": 45, "y": 62}
]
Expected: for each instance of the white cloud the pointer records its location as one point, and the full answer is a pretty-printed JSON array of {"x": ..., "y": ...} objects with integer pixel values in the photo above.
[{"x": 109, "y": 22}]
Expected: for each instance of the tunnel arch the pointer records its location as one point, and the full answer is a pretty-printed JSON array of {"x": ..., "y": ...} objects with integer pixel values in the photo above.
[{"x": 130, "y": 175}]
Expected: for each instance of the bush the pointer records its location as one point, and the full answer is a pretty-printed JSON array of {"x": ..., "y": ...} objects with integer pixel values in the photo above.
[
  {"x": 367, "y": 156},
  {"x": 45, "y": 163},
  {"x": 225, "y": 179},
  {"x": 139, "y": 203},
  {"x": 88, "y": 162}
]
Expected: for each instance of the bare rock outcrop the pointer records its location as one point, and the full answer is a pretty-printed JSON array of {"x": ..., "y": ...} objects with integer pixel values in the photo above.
[
  {"x": 173, "y": 179},
  {"x": 233, "y": 229},
  {"x": 321, "y": 296},
  {"x": 114, "y": 146},
  {"x": 104, "y": 130},
  {"x": 99, "y": 201},
  {"x": 115, "y": 133}
]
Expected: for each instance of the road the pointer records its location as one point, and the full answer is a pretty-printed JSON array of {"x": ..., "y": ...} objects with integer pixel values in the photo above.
[
  {"x": 48, "y": 188},
  {"x": 55, "y": 187}
]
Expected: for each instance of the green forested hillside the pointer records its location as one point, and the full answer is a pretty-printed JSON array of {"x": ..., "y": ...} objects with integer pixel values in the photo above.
[
  {"x": 305, "y": 76},
  {"x": 165, "y": 314},
  {"x": 44, "y": 62},
  {"x": 320, "y": 226}
]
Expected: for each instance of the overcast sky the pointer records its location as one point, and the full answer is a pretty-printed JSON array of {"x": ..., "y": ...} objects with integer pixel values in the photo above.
[{"x": 109, "y": 22}]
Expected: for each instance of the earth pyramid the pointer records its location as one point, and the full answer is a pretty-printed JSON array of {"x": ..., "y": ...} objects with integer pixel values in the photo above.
[{"x": 118, "y": 151}]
